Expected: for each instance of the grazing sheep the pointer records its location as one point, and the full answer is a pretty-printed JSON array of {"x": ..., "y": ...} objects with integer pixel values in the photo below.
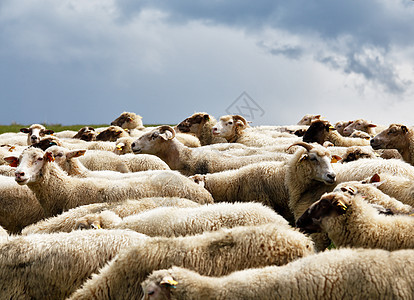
[
  {"x": 56, "y": 191},
  {"x": 129, "y": 120},
  {"x": 111, "y": 134},
  {"x": 233, "y": 129},
  {"x": 86, "y": 134},
  {"x": 307, "y": 119},
  {"x": 260, "y": 182},
  {"x": 211, "y": 253},
  {"x": 35, "y": 132},
  {"x": 66, "y": 221},
  {"x": 398, "y": 137},
  {"x": 176, "y": 221},
  {"x": 190, "y": 161},
  {"x": 335, "y": 274},
  {"x": 321, "y": 131},
  {"x": 53, "y": 266},
  {"x": 18, "y": 206},
  {"x": 369, "y": 190},
  {"x": 201, "y": 124},
  {"x": 350, "y": 221},
  {"x": 341, "y": 125},
  {"x": 68, "y": 161},
  {"x": 360, "y": 125}
]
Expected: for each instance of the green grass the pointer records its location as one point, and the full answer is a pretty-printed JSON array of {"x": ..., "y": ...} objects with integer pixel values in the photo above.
[{"x": 55, "y": 127}]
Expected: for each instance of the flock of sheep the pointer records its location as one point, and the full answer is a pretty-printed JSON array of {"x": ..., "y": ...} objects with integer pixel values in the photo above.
[{"x": 208, "y": 210}]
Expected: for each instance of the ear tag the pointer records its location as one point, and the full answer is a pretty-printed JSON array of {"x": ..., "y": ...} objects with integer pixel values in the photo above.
[
  {"x": 169, "y": 282},
  {"x": 331, "y": 128},
  {"x": 334, "y": 160},
  {"x": 12, "y": 148},
  {"x": 50, "y": 157},
  {"x": 342, "y": 205}
]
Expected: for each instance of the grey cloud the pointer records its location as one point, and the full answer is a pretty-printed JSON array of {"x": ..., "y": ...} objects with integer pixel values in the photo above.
[{"x": 289, "y": 51}]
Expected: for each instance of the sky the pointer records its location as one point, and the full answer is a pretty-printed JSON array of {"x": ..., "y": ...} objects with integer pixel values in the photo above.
[{"x": 85, "y": 62}]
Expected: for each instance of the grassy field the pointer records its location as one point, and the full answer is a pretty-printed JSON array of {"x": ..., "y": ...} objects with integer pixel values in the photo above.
[{"x": 54, "y": 127}]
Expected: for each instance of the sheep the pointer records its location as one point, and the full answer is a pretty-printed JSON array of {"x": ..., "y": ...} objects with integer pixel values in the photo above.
[
  {"x": 66, "y": 221},
  {"x": 335, "y": 274},
  {"x": 123, "y": 145},
  {"x": 368, "y": 189},
  {"x": 65, "y": 134},
  {"x": 111, "y": 134},
  {"x": 307, "y": 119},
  {"x": 321, "y": 131},
  {"x": 233, "y": 129},
  {"x": 201, "y": 124},
  {"x": 35, "y": 132},
  {"x": 357, "y": 152},
  {"x": 189, "y": 161},
  {"x": 49, "y": 141},
  {"x": 350, "y": 221},
  {"x": 211, "y": 253},
  {"x": 341, "y": 125},
  {"x": 3, "y": 234},
  {"x": 6, "y": 170},
  {"x": 53, "y": 266},
  {"x": 14, "y": 139},
  {"x": 56, "y": 191},
  {"x": 176, "y": 221},
  {"x": 129, "y": 120},
  {"x": 86, "y": 133},
  {"x": 361, "y": 125},
  {"x": 260, "y": 182},
  {"x": 18, "y": 206},
  {"x": 399, "y": 187},
  {"x": 398, "y": 137},
  {"x": 68, "y": 161}
]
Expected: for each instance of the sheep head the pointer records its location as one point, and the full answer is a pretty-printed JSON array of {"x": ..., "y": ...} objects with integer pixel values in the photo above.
[
  {"x": 361, "y": 125},
  {"x": 35, "y": 132},
  {"x": 318, "y": 132},
  {"x": 128, "y": 120},
  {"x": 194, "y": 123},
  {"x": 112, "y": 133},
  {"x": 230, "y": 126},
  {"x": 155, "y": 141},
  {"x": 308, "y": 119},
  {"x": 159, "y": 285},
  {"x": 394, "y": 137}
]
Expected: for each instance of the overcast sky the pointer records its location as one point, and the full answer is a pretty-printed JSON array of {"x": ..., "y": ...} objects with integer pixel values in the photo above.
[{"x": 85, "y": 62}]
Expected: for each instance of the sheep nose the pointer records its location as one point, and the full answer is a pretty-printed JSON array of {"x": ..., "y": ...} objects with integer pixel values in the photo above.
[
  {"x": 133, "y": 145},
  {"x": 331, "y": 176},
  {"x": 19, "y": 174},
  {"x": 33, "y": 137}
]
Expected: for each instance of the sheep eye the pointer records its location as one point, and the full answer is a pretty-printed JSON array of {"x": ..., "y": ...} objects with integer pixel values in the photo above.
[
  {"x": 230, "y": 123},
  {"x": 151, "y": 293},
  {"x": 40, "y": 159},
  {"x": 59, "y": 155}
]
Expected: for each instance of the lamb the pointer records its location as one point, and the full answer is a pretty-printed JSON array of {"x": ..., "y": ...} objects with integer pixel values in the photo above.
[
  {"x": 86, "y": 133},
  {"x": 35, "y": 132},
  {"x": 53, "y": 266},
  {"x": 56, "y": 191},
  {"x": 233, "y": 129},
  {"x": 111, "y": 134},
  {"x": 201, "y": 124},
  {"x": 260, "y": 182},
  {"x": 350, "y": 221},
  {"x": 398, "y": 137},
  {"x": 18, "y": 206},
  {"x": 211, "y": 253},
  {"x": 335, "y": 274},
  {"x": 66, "y": 221},
  {"x": 175, "y": 221},
  {"x": 68, "y": 161},
  {"x": 361, "y": 125},
  {"x": 189, "y": 161},
  {"x": 308, "y": 119},
  {"x": 321, "y": 131}
]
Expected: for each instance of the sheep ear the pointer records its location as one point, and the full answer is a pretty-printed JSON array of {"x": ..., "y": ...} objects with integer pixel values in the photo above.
[
  {"x": 49, "y": 157},
  {"x": 24, "y": 130},
  {"x": 75, "y": 153},
  {"x": 168, "y": 281},
  {"x": 372, "y": 125},
  {"x": 335, "y": 159},
  {"x": 167, "y": 135},
  {"x": 375, "y": 178},
  {"x": 12, "y": 161},
  {"x": 206, "y": 117},
  {"x": 48, "y": 131},
  {"x": 404, "y": 129}
]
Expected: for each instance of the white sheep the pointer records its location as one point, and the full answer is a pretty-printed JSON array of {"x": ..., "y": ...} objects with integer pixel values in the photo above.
[
  {"x": 350, "y": 221},
  {"x": 66, "y": 221},
  {"x": 211, "y": 253},
  {"x": 176, "y": 221},
  {"x": 13, "y": 138},
  {"x": 53, "y": 266},
  {"x": 341, "y": 125},
  {"x": 190, "y": 161},
  {"x": 201, "y": 124},
  {"x": 56, "y": 191},
  {"x": 335, "y": 274},
  {"x": 321, "y": 131},
  {"x": 308, "y": 119},
  {"x": 123, "y": 145},
  {"x": 35, "y": 132},
  {"x": 360, "y": 125},
  {"x": 130, "y": 121}
]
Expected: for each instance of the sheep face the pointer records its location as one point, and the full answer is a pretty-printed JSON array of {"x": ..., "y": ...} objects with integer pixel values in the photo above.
[
  {"x": 321, "y": 164},
  {"x": 308, "y": 119},
  {"x": 29, "y": 164},
  {"x": 340, "y": 126},
  {"x": 330, "y": 205},
  {"x": 194, "y": 123},
  {"x": 318, "y": 132},
  {"x": 111, "y": 134},
  {"x": 155, "y": 141},
  {"x": 62, "y": 156},
  {"x": 86, "y": 134},
  {"x": 392, "y": 138},
  {"x": 158, "y": 286},
  {"x": 35, "y": 132},
  {"x": 360, "y": 124},
  {"x": 228, "y": 126},
  {"x": 128, "y": 120},
  {"x": 123, "y": 146}
]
